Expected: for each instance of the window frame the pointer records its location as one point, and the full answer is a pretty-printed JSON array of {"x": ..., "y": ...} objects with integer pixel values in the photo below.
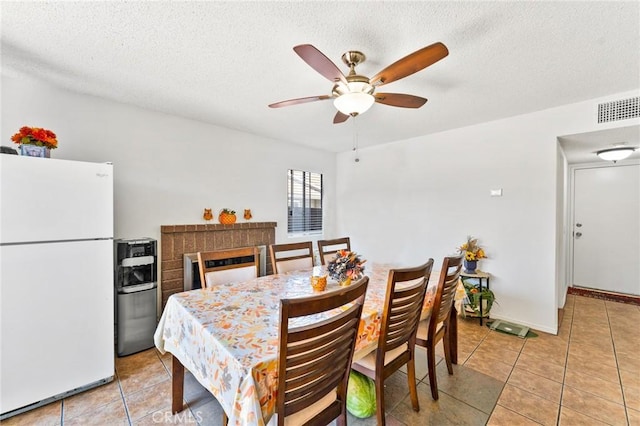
[{"x": 310, "y": 188}]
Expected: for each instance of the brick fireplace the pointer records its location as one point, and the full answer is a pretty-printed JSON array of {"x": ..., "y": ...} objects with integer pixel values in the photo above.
[{"x": 178, "y": 240}]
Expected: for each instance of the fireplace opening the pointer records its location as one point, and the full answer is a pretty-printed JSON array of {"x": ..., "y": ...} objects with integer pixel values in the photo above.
[{"x": 192, "y": 273}]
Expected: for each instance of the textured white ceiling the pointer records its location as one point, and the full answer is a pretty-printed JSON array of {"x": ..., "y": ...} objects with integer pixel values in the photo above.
[{"x": 224, "y": 62}]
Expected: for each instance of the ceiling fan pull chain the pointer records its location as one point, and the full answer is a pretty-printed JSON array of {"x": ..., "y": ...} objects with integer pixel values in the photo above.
[{"x": 355, "y": 140}]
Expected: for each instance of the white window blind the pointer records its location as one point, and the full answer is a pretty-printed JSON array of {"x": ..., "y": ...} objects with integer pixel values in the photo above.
[{"x": 304, "y": 202}]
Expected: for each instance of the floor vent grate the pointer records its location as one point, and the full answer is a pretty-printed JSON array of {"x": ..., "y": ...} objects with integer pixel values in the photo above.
[
  {"x": 510, "y": 328},
  {"x": 619, "y": 110}
]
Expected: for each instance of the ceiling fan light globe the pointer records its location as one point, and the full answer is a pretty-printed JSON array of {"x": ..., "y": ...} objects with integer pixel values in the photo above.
[
  {"x": 615, "y": 154},
  {"x": 354, "y": 103}
]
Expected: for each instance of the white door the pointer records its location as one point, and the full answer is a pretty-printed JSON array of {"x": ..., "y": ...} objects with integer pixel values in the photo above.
[{"x": 606, "y": 229}]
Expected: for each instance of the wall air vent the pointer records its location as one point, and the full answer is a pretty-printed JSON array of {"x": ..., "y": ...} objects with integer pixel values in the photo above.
[{"x": 619, "y": 110}]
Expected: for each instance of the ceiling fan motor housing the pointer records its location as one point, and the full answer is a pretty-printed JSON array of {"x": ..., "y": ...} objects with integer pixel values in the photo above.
[
  {"x": 355, "y": 84},
  {"x": 353, "y": 58}
]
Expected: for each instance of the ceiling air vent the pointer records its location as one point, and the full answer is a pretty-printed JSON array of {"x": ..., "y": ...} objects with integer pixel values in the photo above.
[{"x": 619, "y": 110}]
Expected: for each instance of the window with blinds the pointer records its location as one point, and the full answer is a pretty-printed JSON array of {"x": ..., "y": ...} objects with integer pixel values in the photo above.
[{"x": 304, "y": 202}]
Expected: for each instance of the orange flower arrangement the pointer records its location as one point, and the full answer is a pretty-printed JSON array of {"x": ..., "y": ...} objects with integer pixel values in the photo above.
[{"x": 36, "y": 136}]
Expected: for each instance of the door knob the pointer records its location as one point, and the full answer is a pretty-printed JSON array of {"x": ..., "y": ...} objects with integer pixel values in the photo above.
[
  {"x": 578, "y": 234},
  {"x": 578, "y": 225}
]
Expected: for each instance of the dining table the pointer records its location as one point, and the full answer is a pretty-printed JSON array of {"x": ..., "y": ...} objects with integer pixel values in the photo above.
[{"x": 228, "y": 336}]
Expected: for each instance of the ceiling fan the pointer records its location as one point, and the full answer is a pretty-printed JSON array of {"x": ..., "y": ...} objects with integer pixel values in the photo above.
[{"x": 354, "y": 94}]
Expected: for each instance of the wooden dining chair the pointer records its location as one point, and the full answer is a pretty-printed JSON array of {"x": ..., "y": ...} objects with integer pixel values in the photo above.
[
  {"x": 314, "y": 359},
  {"x": 223, "y": 266},
  {"x": 406, "y": 289},
  {"x": 291, "y": 257},
  {"x": 329, "y": 248},
  {"x": 437, "y": 327}
]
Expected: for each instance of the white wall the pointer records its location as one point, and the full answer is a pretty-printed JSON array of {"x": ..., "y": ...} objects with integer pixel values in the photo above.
[
  {"x": 419, "y": 198},
  {"x": 167, "y": 169}
]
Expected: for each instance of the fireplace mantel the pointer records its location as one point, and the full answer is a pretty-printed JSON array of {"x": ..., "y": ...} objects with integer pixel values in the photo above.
[{"x": 177, "y": 240}]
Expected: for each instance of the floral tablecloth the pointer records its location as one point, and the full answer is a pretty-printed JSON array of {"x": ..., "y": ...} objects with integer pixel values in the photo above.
[{"x": 228, "y": 337}]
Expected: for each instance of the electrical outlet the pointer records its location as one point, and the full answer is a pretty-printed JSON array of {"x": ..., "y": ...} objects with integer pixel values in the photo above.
[{"x": 496, "y": 192}]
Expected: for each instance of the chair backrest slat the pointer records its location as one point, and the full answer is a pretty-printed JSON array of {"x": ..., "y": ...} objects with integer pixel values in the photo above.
[
  {"x": 322, "y": 355},
  {"x": 406, "y": 289},
  {"x": 447, "y": 284},
  {"x": 324, "y": 346},
  {"x": 315, "y": 358},
  {"x": 291, "y": 257},
  {"x": 311, "y": 374},
  {"x": 329, "y": 248},
  {"x": 232, "y": 265}
]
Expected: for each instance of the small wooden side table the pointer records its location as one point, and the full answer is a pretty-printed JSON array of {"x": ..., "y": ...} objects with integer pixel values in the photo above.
[{"x": 480, "y": 276}]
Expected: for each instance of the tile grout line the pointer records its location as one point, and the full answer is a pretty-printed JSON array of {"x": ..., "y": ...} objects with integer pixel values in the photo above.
[
  {"x": 117, "y": 381},
  {"x": 505, "y": 385},
  {"x": 484, "y": 338},
  {"x": 524, "y": 390},
  {"x": 425, "y": 381},
  {"x": 566, "y": 358},
  {"x": 124, "y": 401},
  {"x": 563, "y": 385},
  {"x": 517, "y": 413},
  {"x": 615, "y": 355}
]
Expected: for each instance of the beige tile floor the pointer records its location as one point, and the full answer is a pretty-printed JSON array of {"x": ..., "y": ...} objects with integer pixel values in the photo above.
[{"x": 589, "y": 374}]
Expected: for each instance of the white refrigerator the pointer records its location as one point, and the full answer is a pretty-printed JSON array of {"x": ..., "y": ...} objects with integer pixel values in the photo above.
[{"x": 56, "y": 280}]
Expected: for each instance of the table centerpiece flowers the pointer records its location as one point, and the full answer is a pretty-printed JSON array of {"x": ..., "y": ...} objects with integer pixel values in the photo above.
[
  {"x": 472, "y": 253},
  {"x": 35, "y": 141},
  {"x": 346, "y": 266}
]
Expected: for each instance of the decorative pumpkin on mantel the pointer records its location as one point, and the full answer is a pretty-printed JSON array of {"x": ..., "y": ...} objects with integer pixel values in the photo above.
[{"x": 227, "y": 217}]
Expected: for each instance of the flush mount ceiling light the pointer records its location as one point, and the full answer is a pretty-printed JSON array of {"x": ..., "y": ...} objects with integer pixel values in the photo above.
[{"x": 615, "y": 154}]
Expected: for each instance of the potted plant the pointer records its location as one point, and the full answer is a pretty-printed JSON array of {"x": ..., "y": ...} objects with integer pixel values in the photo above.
[
  {"x": 35, "y": 141},
  {"x": 475, "y": 297},
  {"x": 472, "y": 253}
]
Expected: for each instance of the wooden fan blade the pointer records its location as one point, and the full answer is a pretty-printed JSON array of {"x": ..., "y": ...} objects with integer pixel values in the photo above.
[
  {"x": 299, "y": 101},
  {"x": 410, "y": 64},
  {"x": 340, "y": 118},
  {"x": 319, "y": 62},
  {"x": 400, "y": 100}
]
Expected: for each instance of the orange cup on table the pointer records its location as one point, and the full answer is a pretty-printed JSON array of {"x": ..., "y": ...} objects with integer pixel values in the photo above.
[{"x": 318, "y": 281}]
